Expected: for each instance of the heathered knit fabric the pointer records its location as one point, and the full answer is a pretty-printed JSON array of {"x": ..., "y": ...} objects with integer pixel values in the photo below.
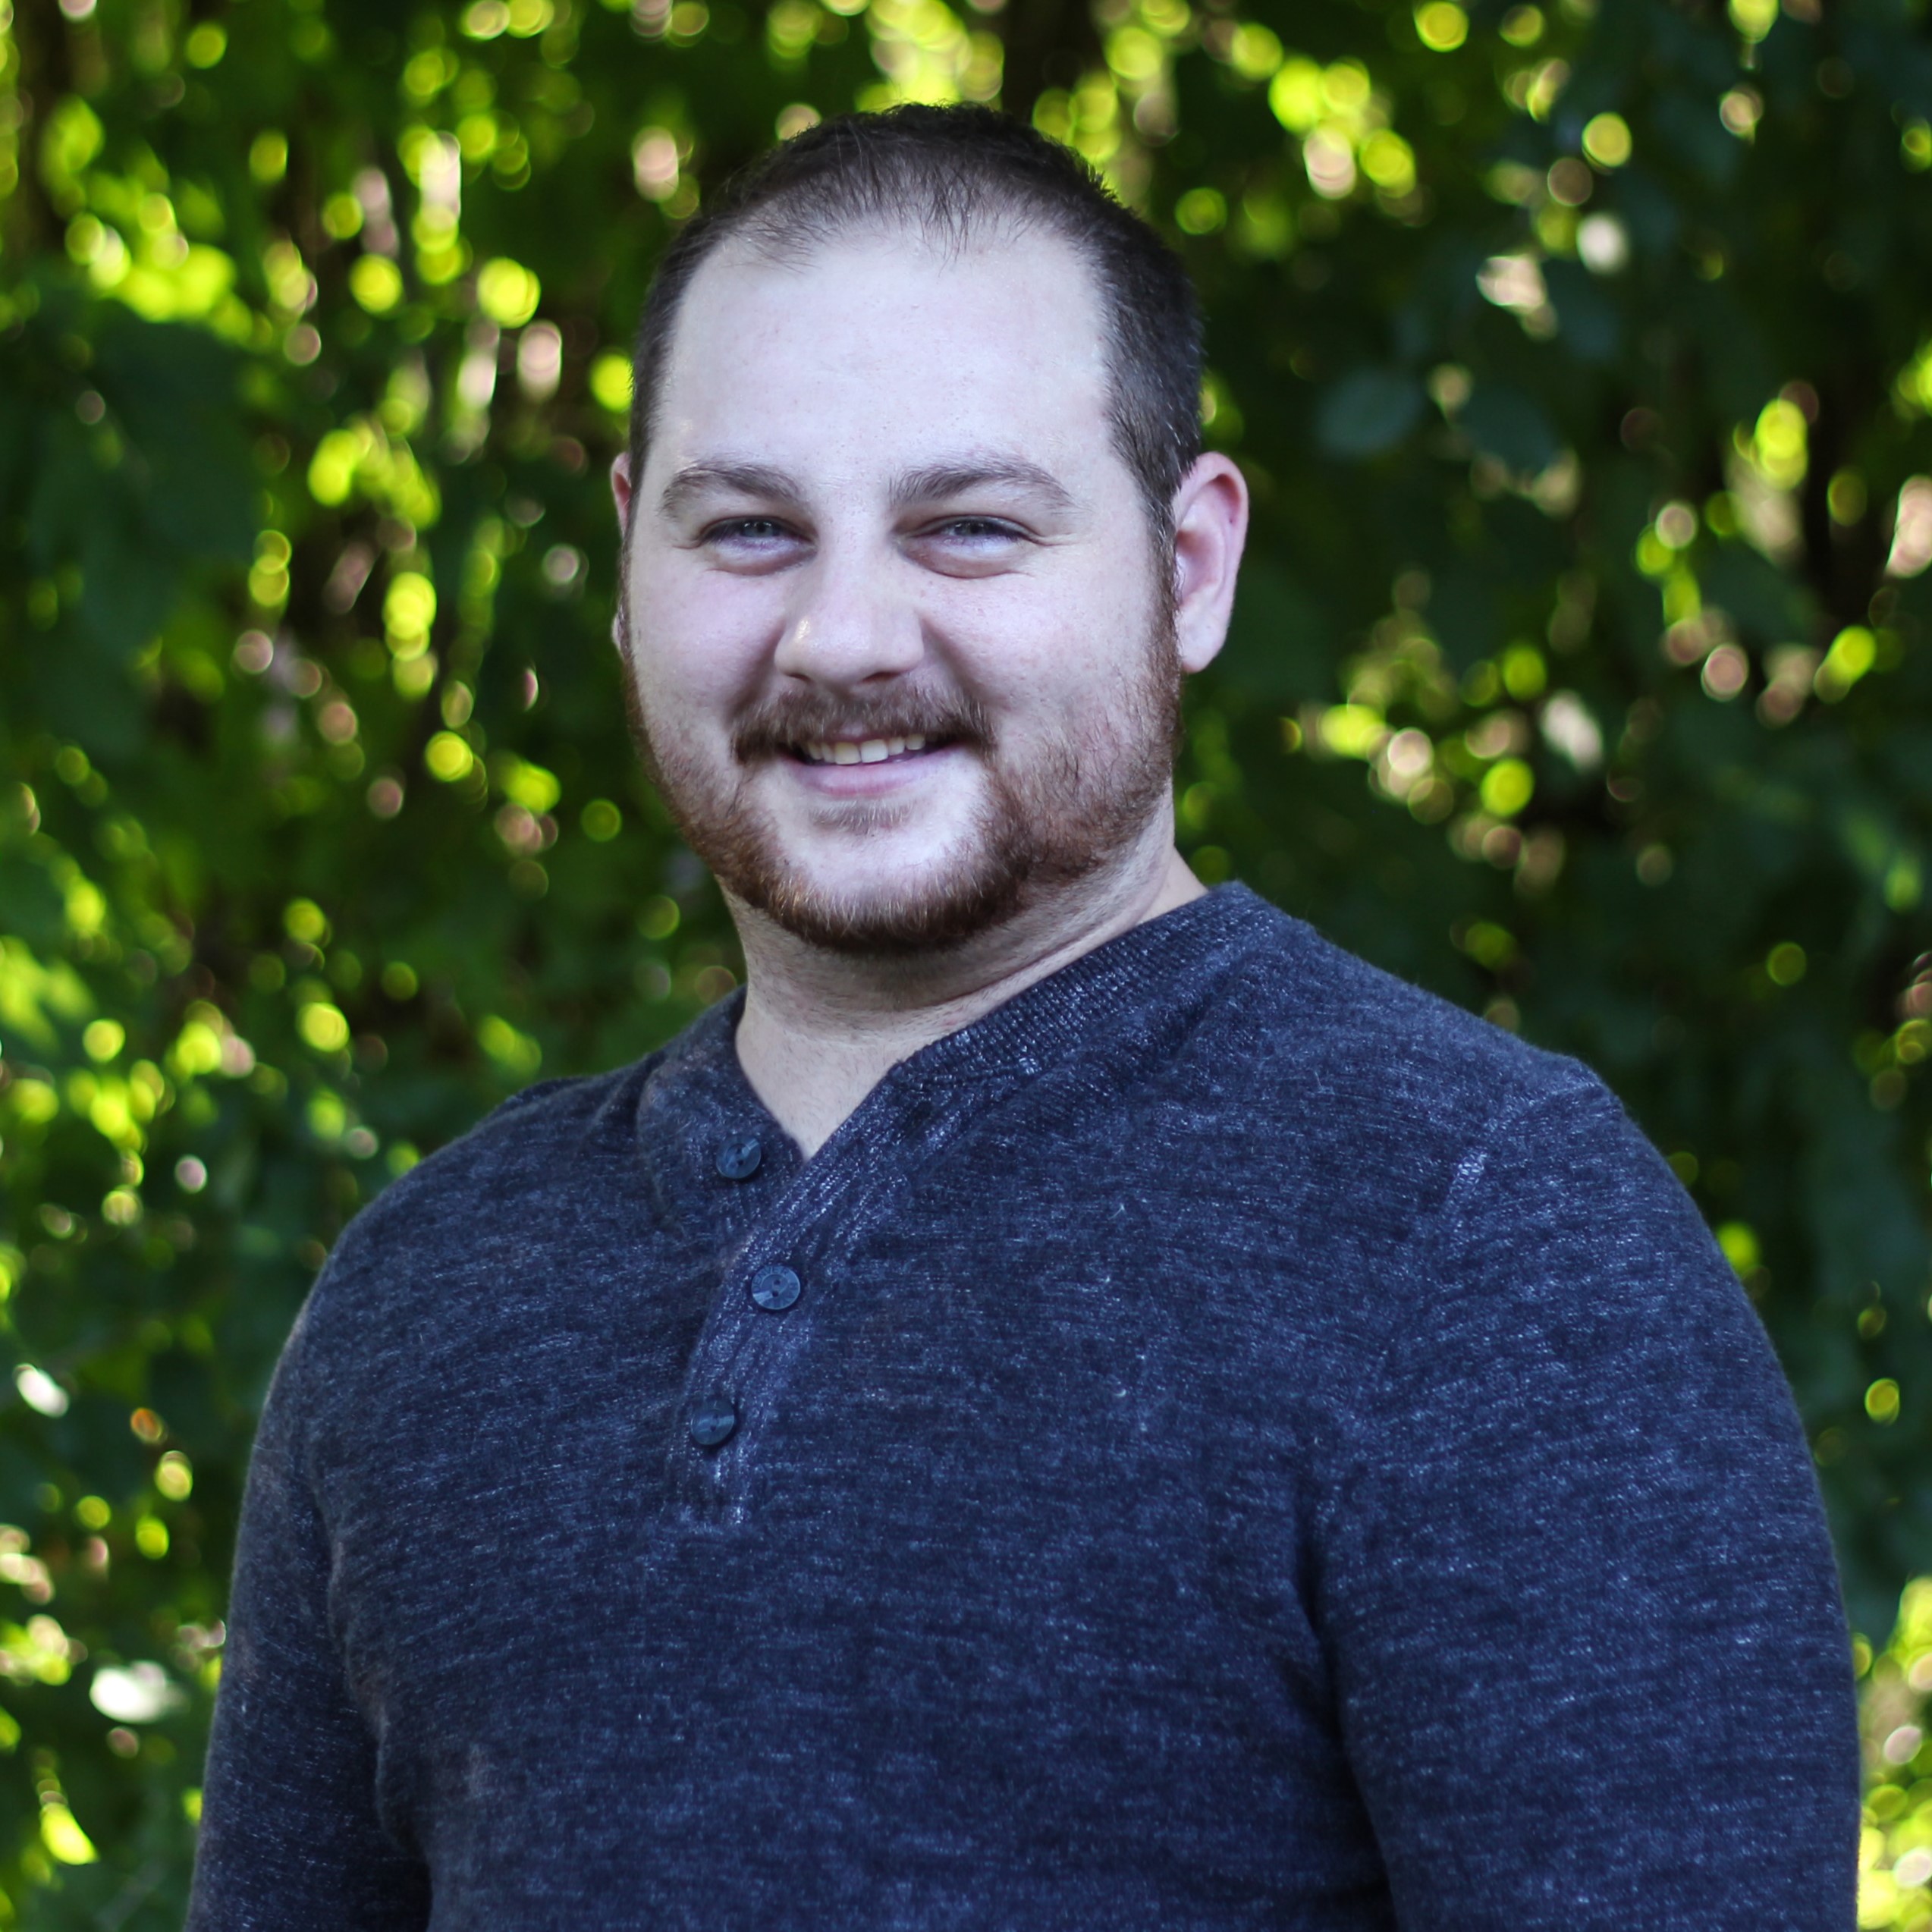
[{"x": 1255, "y": 1448}]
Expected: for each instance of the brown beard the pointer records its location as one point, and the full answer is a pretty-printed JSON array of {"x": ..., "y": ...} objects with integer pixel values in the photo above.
[{"x": 1039, "y": 830}]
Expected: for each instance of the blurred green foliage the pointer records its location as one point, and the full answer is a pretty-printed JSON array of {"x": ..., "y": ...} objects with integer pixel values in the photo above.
[{"x": 1582, "y": 363}]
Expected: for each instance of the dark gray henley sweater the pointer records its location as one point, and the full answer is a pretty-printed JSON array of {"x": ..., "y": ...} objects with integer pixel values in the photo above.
[{"x": 1225, "y": 1440}]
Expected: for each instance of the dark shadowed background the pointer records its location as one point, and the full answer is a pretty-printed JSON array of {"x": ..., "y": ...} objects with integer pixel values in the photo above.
[{"x": 1581, "y": 363}]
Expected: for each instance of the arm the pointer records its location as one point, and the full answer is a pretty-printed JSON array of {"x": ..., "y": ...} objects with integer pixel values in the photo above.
[
  {"x": 290, "y": 1836},
  {"x": 1591, "y": 1657}
]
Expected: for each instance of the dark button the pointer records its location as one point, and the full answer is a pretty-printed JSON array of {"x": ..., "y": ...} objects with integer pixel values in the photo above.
[
  {"x": 737, "y": 1160},
  {"x": 714, "y": 1421},
  {"x": 776, "y": 1287}
]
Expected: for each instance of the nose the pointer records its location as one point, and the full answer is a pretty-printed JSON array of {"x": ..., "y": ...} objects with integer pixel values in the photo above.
[{"x": 851, "y": 624}]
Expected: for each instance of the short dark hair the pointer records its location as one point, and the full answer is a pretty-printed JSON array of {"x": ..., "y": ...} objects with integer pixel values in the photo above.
[{"x": 947, "y": 171}]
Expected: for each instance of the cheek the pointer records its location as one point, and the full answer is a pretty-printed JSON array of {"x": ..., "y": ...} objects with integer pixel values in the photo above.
[
  {"x": 697, "y": 645},
  {"x": 1045, "y": 649}
]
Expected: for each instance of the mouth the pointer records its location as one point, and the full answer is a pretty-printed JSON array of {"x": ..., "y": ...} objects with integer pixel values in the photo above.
[{"x": 863, "y": 751}]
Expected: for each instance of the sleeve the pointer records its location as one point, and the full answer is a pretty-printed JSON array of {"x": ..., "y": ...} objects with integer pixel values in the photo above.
[
  {"x": 1591, "y": 1660},
  {"x": 291, "y": 1840}
]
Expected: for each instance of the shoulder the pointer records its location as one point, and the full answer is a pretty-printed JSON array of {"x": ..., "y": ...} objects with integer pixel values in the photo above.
[
  {"x": 1535, "y": 1223},
  {"x": 1473, "y": 1138},
  {"x": 1529, "y": 1264},
  {"x": 547, "y": 1162},
  {"x": 1328, "y": 1043},
  {"x": 1372, "y": 1143},
  {"x": 535, "y": 1140}
]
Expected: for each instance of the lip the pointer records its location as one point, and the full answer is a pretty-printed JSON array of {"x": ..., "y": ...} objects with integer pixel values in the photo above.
[{"x": 889, "y": 776}]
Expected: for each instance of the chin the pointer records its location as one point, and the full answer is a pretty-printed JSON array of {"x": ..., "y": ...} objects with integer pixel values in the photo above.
[
  {"x": 882, "y": 914},
  {"x": 899, "y": 876}
]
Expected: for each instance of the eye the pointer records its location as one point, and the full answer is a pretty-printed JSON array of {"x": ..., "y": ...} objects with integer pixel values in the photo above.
[
  {"x": 759, "y": 530},
  {"x": 976, "y": 529},
  {"x": 969, "y": 545},
  {"x": 756, "y": 544}
]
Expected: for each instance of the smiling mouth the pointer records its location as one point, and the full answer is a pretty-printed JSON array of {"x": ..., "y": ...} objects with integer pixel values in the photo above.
[{"x": 862, "y": 751}]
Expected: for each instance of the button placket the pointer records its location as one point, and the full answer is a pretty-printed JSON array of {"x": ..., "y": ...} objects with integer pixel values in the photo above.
[
  {"x": 826, "y": 1209},
  {"x": 752, "y": 1327},
  {"x": 792, "y": 1257}
]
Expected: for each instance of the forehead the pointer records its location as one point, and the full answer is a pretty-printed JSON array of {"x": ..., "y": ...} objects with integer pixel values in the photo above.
[{"x": 874, "y": 349}]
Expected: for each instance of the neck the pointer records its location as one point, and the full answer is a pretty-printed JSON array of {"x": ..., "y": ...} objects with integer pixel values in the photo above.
[{"x": 820, "y": 1030}]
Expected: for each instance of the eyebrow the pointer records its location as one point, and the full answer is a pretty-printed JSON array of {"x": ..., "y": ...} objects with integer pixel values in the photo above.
[
  {"x": 931, "y": 483},
  {"x": 697, "y": 479},
  {"x": 944, "y": 479}
]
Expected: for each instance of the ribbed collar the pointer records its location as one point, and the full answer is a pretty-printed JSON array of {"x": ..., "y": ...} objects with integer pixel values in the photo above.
[{"x": 697, "y": 1097}]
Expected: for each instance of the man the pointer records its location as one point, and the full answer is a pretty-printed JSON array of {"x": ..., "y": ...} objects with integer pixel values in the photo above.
[{"x": 1076, "y": 1405}]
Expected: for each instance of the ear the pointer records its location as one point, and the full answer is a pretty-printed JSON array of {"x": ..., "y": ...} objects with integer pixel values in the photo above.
[
  {"x": 620, "y": 488},
  {"x": 1211, "y": 526}
]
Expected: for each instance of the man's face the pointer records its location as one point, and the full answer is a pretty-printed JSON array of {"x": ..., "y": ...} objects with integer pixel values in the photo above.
[{"x": 898, "y": 632}]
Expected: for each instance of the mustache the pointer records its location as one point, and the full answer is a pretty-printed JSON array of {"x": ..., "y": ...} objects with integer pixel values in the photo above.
[{"x": 778, "y": 725}]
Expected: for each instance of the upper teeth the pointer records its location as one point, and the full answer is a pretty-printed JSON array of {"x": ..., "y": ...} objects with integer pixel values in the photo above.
[{"x": 859, "y": 751}]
